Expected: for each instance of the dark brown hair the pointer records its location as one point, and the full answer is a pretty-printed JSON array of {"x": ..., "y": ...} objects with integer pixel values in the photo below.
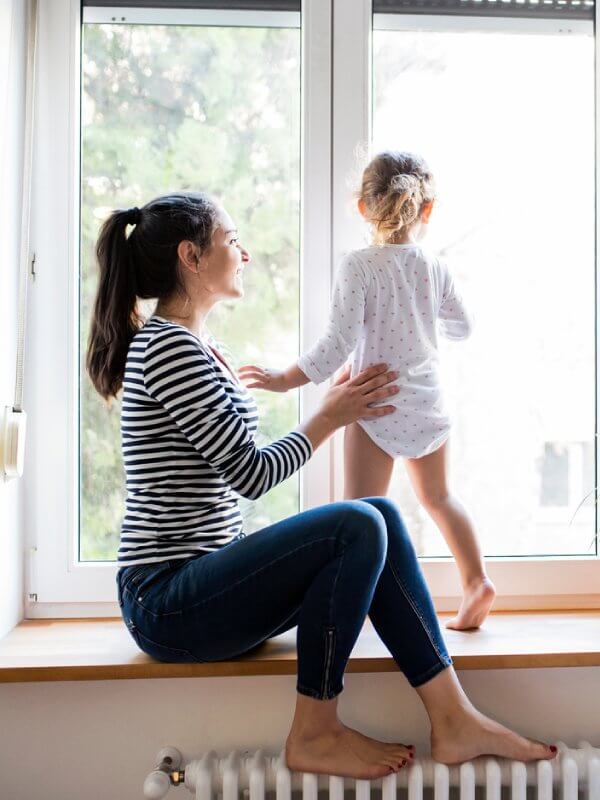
[
  {"x": 394, "y": 188},
  {"x": 143, "y": 265}
]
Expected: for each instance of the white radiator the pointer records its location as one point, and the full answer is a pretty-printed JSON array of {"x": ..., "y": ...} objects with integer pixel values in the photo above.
[{"x": 573, "y": 775}]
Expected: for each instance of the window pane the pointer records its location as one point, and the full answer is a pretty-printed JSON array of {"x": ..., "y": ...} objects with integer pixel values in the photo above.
[
  {"x": 506, "y": 122},
  {"x": 206, "y": 108}
]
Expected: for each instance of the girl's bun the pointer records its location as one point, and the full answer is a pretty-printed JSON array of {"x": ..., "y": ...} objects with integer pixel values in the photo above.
[{"x": 395, "y": 187}]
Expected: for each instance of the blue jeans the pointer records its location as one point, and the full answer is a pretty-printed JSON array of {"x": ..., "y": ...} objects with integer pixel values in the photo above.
[{"x": 323, "y": 570}]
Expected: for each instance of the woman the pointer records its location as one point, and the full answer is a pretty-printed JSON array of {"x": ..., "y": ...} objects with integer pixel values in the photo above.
[{"x": 192, "y": 586}]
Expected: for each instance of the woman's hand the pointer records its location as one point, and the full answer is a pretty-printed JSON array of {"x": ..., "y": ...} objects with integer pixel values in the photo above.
[{"x": 350, "y": 399}]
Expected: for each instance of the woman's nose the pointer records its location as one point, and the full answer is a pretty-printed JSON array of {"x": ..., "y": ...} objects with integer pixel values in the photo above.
[{"x": 245, "y": 256}]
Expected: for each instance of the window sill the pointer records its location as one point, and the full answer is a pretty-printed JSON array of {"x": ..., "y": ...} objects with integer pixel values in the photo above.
[{"x": 101, "y": 649}]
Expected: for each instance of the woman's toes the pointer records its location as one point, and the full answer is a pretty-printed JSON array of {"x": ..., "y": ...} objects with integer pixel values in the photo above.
[
  {"x": 400, "y": 751},
  {"x": 543, "y": 751}
]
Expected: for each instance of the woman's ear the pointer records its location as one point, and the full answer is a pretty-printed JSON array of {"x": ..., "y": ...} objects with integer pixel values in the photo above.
[
  {"x": 426, "y": 211},
  {"x": 362, "y": 208},
  {"x": 188, "y": 255}
]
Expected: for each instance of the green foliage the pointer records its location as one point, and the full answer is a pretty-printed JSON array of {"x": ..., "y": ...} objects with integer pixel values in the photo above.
[{"x": 210, "y": 109}]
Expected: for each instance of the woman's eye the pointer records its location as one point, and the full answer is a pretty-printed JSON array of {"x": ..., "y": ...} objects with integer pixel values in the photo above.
[{"x": 234, "y": 241}]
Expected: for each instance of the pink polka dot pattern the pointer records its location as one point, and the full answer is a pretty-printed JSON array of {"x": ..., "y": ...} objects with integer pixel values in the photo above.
[{"x": 389, "y": 304}]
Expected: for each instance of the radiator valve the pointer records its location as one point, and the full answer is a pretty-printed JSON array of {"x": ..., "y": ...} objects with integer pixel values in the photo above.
[{"x": 167, "y": 773}]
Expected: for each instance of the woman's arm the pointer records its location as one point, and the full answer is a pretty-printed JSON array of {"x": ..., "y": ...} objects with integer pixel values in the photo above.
[{"x": 181, "y": 377}]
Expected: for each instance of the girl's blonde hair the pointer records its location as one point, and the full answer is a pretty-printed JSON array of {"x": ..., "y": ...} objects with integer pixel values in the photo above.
[{"x": 394, "y": 188}]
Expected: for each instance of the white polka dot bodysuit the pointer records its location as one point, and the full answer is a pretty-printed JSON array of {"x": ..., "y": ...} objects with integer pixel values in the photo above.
[{"x": 389, "y": 303}]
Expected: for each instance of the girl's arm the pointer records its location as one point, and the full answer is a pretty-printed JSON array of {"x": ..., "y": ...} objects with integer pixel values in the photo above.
[
  {"x": 455, "y": 322},
  {"x": 273, "y": 380},
  {"x": 346, "y": 319}
]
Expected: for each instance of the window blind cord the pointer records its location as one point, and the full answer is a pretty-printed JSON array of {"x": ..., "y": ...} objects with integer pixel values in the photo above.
[{"x": 32, "y": 17}]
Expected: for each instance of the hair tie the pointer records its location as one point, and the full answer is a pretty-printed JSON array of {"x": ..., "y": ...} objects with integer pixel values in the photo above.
[{"x": 133, "y": 216}]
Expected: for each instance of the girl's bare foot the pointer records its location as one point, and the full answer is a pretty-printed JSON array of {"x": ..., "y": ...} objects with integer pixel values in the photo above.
[
  {"x": 461, "y": 737},
  {"x": 339, "y": 750},
  {"x": 476, "y": 604}
]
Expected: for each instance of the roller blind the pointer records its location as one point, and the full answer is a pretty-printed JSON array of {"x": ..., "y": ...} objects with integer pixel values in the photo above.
[
  {"x": 235, "y": 5},
  {"x": 543, "y": 9}
]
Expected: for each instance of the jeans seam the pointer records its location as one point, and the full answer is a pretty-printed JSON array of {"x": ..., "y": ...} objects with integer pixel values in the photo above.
[
  {"x": 242, "y": 580},
  {"x": 301, "y": 689},
  {"x": 133, "y": 628},
  {"x": 329, "y": 650},
  {"x": 415, "y": 608},
  {"x": 431, "y": 672}
]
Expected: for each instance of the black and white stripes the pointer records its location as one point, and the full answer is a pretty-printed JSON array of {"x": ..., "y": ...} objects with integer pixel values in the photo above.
[{"x": 188, "y": 443}]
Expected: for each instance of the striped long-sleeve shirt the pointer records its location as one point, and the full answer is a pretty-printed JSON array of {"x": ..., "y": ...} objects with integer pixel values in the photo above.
[{"x": 188, "y": 437}]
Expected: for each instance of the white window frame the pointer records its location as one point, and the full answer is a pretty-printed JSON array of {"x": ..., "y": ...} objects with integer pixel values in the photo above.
[
  {"x": 523, "y": 582},
  {"x": 336, "y": 103},
  {"x": 57, "y": 584}
]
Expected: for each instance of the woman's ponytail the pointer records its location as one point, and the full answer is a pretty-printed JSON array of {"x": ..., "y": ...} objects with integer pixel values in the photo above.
[
  {"x": 141, "y": 266},
  {"x": 115, "y": 319}
]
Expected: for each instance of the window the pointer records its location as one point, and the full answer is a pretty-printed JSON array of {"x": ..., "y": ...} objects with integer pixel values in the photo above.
[
  {"x": 223, "y": 117},
  {"x": 511, "y": 143},
  {"x": 265, "y": 107}
]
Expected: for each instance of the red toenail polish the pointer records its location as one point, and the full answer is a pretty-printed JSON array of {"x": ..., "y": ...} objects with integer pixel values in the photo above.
[{"x": 553, "y": 748}]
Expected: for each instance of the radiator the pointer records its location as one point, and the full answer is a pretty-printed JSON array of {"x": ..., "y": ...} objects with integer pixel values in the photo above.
[{"x": 573, "y": 775}]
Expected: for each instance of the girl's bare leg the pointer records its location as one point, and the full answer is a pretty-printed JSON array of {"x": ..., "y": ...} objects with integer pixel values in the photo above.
[
  {"x": 319, "y": 743},
  {"x": 428, "y": 476},
  {"x": 459, "y": 732},
  {"x": 367, "y": 469}
]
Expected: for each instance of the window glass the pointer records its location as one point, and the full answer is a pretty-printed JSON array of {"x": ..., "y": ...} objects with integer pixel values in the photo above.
[
  {"x": 506, "y": 122},
  {"x": 203, "y": 108}
]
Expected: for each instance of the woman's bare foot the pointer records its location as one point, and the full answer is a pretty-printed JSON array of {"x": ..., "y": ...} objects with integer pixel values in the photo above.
[
  {"x": 343, "y": 751},
  {"x": 476, "y": 604},
  {"x": 464, "y": 736},
  {"x": 376, "y": 747}
]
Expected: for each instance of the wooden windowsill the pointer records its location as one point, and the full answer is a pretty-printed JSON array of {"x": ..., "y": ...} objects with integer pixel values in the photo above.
[{"x": 101, "y": 649}]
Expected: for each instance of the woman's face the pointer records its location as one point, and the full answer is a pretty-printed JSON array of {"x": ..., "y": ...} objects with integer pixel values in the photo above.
[{"x": 224, "y": 262}]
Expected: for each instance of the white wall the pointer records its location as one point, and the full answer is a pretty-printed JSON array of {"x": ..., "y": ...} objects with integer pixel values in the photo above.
[
  {"x": 12, "y": 100},
  {"x": 98, "y": 740}
]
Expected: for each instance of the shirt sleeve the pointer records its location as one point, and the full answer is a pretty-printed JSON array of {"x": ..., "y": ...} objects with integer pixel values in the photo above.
[
  {"x": 180, "y": 376},
  {"x": 455, "y": 321},
  {"x": 346, "y": 320}
]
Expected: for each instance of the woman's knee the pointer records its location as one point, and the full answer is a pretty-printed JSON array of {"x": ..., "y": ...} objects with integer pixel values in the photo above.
[
  {"x": 365, "y": 525},
  {"x": 395, "y": 526},
  {"x": 386, "y": 507},
  {"x": 388, "y": 510}
]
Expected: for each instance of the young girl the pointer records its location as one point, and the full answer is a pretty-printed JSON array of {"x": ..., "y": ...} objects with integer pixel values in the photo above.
[{"x": 389, "y": 302}]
